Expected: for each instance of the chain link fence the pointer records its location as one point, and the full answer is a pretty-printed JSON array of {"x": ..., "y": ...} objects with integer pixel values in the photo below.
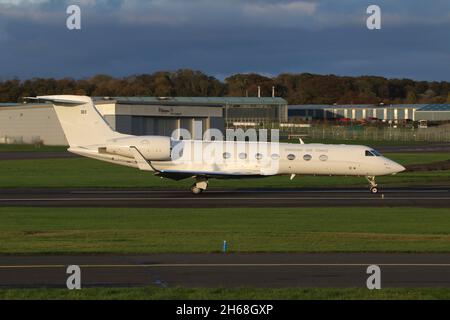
[{"x": 355, "y": 133}]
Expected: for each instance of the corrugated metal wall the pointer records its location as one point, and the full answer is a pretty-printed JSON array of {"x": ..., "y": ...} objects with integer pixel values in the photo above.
[{"x": 30, "y": 125}]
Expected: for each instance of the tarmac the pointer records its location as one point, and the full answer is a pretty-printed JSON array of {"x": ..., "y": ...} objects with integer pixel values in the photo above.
[
  {"x": 261, "y": 270},
  {"x": 438, "y": 197}
]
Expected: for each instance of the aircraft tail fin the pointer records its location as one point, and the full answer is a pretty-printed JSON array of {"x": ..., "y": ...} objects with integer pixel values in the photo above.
[{"x": 82, "y": 123}]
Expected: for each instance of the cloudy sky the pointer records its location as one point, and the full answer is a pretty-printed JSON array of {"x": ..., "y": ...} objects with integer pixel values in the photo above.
[{"x": 222, "y": 37}]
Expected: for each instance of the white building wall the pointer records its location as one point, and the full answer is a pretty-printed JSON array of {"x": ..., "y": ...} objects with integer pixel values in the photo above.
[{"x": 30, "y": 124}]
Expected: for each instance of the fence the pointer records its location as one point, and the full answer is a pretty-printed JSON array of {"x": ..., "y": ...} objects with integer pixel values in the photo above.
[
  {"x": 380, "y": 134},
  {"x": 366, "y": 133}
]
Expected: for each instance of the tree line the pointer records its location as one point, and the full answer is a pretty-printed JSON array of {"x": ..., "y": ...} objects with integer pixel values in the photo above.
[{"x": 300, "y": 88}]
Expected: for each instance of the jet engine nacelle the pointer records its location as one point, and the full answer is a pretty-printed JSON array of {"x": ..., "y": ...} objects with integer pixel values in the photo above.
[{"x": 153, "y": 148}]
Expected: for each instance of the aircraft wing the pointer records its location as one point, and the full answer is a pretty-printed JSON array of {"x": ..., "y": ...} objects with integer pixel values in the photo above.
[
  {"x": 177, "y": 175},
  {"x": 180, "y": 175}
]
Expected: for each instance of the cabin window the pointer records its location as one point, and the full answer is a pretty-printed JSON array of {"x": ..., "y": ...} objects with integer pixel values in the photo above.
[
  {"x": 275, "y": 156},
  {"x": 258, "y": 156},
  {"x": 323, "y": 157},
  {"x": 242, "y": 156},
  {"x": 307, "y": 157},
  {"x": 369, "y": 154},
  {"x": 226, "y": 155},
  {"x": 291, "y": 157}
]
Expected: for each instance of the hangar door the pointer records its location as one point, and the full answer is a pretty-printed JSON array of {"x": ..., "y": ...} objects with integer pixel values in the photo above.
[{"x": 153, "y": 126}]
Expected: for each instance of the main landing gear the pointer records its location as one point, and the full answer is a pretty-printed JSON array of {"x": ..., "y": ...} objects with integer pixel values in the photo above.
[
  {"x": 373, "y": 185},
  {"x": 200, "y": 185}
]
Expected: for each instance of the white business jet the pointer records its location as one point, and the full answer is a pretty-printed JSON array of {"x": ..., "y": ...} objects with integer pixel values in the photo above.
[{"x": 89, "y": 135}]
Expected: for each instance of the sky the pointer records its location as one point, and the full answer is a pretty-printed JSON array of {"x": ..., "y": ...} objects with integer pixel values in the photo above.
[{"x": 224, "y": 37}]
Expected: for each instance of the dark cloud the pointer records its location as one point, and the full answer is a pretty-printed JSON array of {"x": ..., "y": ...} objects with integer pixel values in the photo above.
[{"x": 224, "y": 37}]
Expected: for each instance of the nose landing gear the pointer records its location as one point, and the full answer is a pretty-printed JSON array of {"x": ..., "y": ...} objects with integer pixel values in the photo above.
[
  {"x": 200, "y": 185},
  {"x": 373, "y": 184}
]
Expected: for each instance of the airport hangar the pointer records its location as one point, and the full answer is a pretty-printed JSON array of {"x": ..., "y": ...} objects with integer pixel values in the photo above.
[
  {"x": 414, "y": 112},
  {"x": 37, "y": 123}
]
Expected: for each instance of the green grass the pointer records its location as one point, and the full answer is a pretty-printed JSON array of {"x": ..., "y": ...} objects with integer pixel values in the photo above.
[
  {"x": 82, "y": 172},
  {"x": 30, "y": 147},
  {"x": 152, "y": 293},
  {"x": 418, "y": 157},
  {"x": 97, "y": 230}
]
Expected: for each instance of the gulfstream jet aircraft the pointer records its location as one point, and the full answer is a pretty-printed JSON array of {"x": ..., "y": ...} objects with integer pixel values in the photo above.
[{"x": 90, "y": 135}]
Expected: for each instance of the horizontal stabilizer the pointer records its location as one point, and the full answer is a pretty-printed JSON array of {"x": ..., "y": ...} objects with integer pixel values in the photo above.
[{"x": 45, "y": 99}]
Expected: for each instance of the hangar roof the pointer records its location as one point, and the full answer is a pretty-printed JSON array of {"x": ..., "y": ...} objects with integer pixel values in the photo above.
[
  {"x": 354, "y": 106},
  {"x": 435, "y": 107},
  {"x": 207, "y": 101}
]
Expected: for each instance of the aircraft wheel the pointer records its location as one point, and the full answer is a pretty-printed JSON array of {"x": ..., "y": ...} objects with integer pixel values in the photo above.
[
  {"x": 374, "y": 190},
  {"x": 196, "y": 190}
]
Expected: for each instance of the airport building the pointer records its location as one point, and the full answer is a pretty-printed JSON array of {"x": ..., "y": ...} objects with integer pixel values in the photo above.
[
  {"x": 414, "y": 112},
  {"x": 434, "y": 112},
  {"x": 37, "y": 123}
]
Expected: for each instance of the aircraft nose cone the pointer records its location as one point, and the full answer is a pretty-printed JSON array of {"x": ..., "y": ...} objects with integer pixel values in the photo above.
[
  {"x": 393, "y": 167},
  {"x": 396, "y": 168}
]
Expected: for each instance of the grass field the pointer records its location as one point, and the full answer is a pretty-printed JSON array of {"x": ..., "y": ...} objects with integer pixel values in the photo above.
[
  {"x": 80, "y": 230},
  {"x": 30, "y": 147},
  {"x": 152, "y": 293},
  {"x": 90, "y": 230},
  {"x": 82, "y": 172}
]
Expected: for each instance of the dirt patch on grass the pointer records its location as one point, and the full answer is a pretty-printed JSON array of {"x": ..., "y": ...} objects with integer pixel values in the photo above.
[{"x": 433, "y": 166}]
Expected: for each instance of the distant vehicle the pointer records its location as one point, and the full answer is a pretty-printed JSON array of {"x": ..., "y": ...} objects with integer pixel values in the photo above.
[
  {"x": 90, "y": 135},
  {"x": 423, "y": 124}
]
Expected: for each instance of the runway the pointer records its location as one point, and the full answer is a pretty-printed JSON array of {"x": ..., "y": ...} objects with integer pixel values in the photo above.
[
  {"x": 222, "y": 270},
  {"x": 149, "y": 198}
]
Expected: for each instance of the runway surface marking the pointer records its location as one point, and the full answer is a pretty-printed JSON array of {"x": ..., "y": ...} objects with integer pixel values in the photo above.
[
  {"x": 221, "y": 265},
  {"x": 255, "y": 191},
  {"x": 338, "y": 270},
  {"x": 144, "y": 198},
  {"x": 208, "y": 199}
]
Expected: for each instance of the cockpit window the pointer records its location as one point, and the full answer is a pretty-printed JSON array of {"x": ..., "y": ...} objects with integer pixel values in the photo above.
[
  {"x": 372, "y": 153},
  {"x": 376, "y": 153}
]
